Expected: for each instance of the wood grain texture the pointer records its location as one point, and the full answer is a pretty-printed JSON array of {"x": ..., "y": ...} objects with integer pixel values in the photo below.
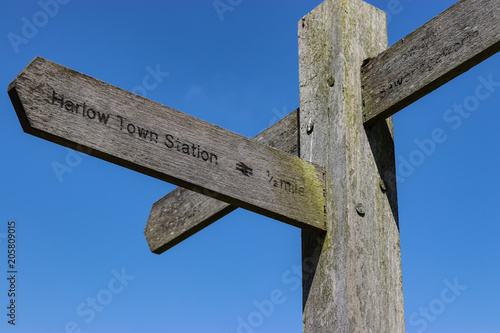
[
  {"x": 448, "y": 45},
  {"x": 69, "y": 108},
  {"x": 352, "y": 280},
  {"x": 182, "y": 213}
]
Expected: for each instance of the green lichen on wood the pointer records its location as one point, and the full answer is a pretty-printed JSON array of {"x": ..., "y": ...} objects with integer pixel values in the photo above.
[{"x": 314, "y": 180}]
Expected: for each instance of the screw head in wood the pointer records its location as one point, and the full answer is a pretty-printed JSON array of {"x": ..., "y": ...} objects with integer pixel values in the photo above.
[
  {"x": 310, "y": 126},
  {"x": 360, "y": 209}
]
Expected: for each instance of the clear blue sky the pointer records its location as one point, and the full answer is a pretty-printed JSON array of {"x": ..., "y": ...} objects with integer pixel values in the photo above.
[{"x": 79, "y": 230}]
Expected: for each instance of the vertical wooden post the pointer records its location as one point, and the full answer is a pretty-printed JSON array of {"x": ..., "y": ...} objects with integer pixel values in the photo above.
[{"x": 352, "y": 275}]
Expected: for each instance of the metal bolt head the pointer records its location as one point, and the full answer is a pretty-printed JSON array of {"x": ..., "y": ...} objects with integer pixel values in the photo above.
[
  {"x": 310, "y": 126},
  {"x": 360, "y": 209}
]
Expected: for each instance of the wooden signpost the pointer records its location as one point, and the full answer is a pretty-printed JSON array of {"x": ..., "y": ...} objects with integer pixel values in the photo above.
[{"x": 327, "y": 168}]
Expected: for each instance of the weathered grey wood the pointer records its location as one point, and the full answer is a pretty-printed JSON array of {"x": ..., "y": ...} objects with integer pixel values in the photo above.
[
  {"x": 80, "y": 112},
  {"x": 182, "y": 213},
  {"x": 351, "y": 277},
  {"x": 448, "y": 45}
]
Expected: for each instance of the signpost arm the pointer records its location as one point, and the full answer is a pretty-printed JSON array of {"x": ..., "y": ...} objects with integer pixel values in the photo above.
[
  {"x": 75, "y": 110},
  {"x": 352, "y": 279},
  {"x": 448, "y": 45}
]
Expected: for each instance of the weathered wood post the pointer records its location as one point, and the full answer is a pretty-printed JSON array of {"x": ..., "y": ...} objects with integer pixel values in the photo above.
[{"x": 352, "y": 276}]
